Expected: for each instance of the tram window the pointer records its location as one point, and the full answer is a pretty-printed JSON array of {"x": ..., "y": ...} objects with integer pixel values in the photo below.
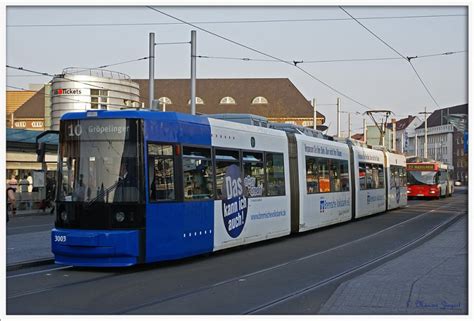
[
  {"x": 375, "y": 175},
  {"x": 381, "y": 180},
  {"x": 275, "y": 174},
  {"x": 253, "y": 174},
  {"x": 344, "y": 166},
  {"x": 161, "y": 172},
  {"x": 160, "y": 150},
  {"x": 312, "y": 180},
  {"x": 334, "y": 175},
  {"x": 224, "y": 159},
  {"x": 362, "y": 176},
  {"x": 323, "y": 169},
  {"x": 197, "y": 173},
  {"x": 369, "y": 176},
  {"x": 403, "y": 176},
  {"x": 393, "y": 174}
]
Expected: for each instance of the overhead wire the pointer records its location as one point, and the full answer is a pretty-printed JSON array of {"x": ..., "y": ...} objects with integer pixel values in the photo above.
[
  {"x": 331, "y": 60},
  {"x": 396, "y": 51},
  {"x": 53, "y": 76},
  {"x": 230, "y": 22},
  {"x": 261, "y": 53}
]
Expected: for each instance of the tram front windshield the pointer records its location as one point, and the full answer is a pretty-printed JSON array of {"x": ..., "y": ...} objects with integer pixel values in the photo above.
[
  {"x": 99, "y": 161},
  {"x": 422, "y": 177}
]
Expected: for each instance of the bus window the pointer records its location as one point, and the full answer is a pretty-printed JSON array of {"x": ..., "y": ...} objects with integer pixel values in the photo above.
[
  {"x": 275, "y": 174},
  {"x": 161, "y": 172},
  {"x": 253, "y": 174},
  {"x": 197, "y": 173}
]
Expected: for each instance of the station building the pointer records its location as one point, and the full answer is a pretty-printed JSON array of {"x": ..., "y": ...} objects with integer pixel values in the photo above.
[{"x": 277, "y": 99}]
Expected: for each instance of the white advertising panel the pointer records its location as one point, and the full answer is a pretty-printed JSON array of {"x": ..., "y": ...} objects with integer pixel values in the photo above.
[{"x": 321, "y": 205}]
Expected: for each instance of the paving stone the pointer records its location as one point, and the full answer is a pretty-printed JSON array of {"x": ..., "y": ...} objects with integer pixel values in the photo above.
[{"x": 431, "y": 279}]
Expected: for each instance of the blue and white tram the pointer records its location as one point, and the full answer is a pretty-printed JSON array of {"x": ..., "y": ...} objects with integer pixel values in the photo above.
[
  {"x": 396, "y": 180},
  {"x": 324, "y": 189},
  {"x": 142, "y": 186},
  {"x": 369, "y": 177}
]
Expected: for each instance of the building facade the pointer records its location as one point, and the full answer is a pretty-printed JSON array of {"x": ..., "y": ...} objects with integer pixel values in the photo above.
[
  {"x": 277, "y": 99},
  {"x": 445, "y": 139},
  {"x": 88, "y": 89}
]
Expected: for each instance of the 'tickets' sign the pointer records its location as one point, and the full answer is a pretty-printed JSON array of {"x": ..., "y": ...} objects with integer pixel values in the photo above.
[{"x": 67, "y": 91}]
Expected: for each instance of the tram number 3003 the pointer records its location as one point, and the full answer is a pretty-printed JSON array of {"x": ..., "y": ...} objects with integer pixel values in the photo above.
[{"x": 60, "y": 238}]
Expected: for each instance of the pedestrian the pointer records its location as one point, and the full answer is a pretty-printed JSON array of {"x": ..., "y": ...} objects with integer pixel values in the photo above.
[
  {"x": 11, "y": 199},
  {"x": 24, "y": 185},
  {"x": 30, "y": 183},
  {"x": 7, "y": 205}
]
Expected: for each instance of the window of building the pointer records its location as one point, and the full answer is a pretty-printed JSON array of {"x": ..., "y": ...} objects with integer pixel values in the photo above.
[
  {"x": 199, "y": 101},
  {"x": 165, "y": 101},
  {"x": 197, "y": 173},
  {"x": 161, "y": 172},
  {"x": 227, "y": 101},
  {"x": 259, "y": 100},
  {"x": 99, "y": 99}
]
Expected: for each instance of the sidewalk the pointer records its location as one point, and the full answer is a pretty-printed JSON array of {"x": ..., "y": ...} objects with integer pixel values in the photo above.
[{"x": 430, "y": 279}]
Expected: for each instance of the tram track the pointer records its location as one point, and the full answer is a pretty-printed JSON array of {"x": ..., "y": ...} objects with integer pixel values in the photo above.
[
  {"x": 299, "y": 260},
  {"x": 354, "y": 270},
  {"x": 130, "y": 309}
]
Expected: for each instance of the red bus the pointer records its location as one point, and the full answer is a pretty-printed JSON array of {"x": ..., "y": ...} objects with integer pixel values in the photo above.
[{"x": 428, "y": 179}]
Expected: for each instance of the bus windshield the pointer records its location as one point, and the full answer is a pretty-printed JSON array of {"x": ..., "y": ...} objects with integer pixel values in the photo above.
[
  {"x": 422, "y": 177},
  {"x": 99, "y": 161}
]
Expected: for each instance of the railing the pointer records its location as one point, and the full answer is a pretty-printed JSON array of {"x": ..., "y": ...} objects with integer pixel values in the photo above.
[{"x": 96, "y": 72}]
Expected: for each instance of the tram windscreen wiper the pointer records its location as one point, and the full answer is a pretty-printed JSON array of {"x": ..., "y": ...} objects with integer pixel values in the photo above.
[{"x": 103, "y": 192}]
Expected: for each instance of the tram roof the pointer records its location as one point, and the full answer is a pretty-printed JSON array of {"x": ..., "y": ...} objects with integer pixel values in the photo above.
[{"x": 140, "y": 114}]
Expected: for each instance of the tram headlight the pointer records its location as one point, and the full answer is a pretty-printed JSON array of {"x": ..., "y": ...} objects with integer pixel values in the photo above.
[
  {"x": 120, "y": 217},
  {"x": 64, "y": 216}
]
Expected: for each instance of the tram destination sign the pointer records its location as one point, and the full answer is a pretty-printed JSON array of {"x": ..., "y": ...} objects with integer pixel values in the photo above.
[
  {"x": 91, "y": 129},
  {"x": 421, "y": 167}
]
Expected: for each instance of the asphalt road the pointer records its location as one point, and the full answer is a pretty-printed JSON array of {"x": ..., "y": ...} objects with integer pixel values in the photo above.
[
  {"x": 294, "y": 275},
  {"x": 26, "y": 224}
]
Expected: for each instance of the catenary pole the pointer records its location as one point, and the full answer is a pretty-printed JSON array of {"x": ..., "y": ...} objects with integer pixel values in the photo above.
[
  {"x": 151, "y": 70},
  {"x": 193, "y": 72},
  {"x": 315, "y": 115}
]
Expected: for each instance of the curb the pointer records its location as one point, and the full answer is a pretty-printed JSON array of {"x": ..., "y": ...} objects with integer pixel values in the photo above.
[{"x": 26, "y": 264}]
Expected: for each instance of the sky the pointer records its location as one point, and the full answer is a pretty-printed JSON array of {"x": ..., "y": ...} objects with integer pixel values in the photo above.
[{"x": 390, "y": 84}]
